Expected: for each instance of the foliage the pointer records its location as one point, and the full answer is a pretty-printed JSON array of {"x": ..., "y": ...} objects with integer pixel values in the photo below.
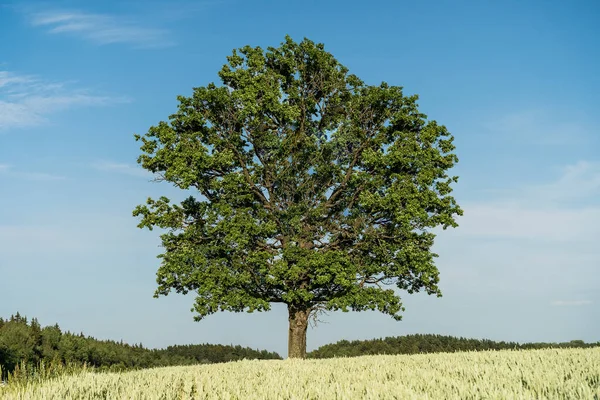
[
  {"x": 26, "y": 349},
  {"x": 533, "y": 374},
  {"x": 310, "y": 188},
  {"x": 415, "y": 344}
]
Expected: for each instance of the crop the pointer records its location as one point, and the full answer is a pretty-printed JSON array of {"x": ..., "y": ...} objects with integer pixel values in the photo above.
[{"x": 524, "y": 374}]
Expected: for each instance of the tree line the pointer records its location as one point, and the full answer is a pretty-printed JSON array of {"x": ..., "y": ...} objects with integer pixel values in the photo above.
[
  {"x": 25, "y": 341},
  {"x": 419, "y": 343}
]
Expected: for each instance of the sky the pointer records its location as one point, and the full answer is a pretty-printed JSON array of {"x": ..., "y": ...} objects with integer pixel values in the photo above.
[{"x": 515, "y": 82}]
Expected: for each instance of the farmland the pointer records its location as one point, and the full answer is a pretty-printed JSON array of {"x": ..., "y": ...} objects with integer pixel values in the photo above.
[{"x": 523, "y": 374}]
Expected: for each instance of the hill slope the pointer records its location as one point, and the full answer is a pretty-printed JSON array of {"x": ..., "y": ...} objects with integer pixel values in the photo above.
[{"x": 543, "y": 374}]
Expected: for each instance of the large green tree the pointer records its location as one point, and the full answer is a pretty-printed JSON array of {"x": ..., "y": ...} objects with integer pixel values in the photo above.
[{"x": 310, "y": 188}]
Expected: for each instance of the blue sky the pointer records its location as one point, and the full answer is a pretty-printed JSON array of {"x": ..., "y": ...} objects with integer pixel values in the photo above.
[{"x": 516, "y": 82}]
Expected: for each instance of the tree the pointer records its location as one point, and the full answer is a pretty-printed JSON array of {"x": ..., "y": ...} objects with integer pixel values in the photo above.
[
  {"x": 16, "y": 344},
  {"x": 310, "y": 188}
]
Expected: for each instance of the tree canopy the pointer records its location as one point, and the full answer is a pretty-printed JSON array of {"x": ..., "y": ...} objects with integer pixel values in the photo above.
[{"x": 310, "y": 188}]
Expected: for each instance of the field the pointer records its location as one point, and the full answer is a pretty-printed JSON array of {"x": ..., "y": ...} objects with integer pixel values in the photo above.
[{"x": 531, "y": 374}]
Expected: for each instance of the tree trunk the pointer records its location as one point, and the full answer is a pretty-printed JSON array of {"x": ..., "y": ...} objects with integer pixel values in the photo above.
[{"x": 298, "y": 317}]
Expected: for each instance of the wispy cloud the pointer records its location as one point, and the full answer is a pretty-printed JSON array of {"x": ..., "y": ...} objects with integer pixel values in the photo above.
[
  {"x": 580, "y": 181},
  {"x": 527, "y": 244},
  {"x": 26, "y": 100},
  {"x": 543, "y": 127},
  {"x": 567, "y": 209},
  {"x": 39, "y": 238},
  {"x": 41, "y": 176},
  {"x": 122, "y": 168},
  {"x": 571, "y": 303},
  {"x": 8, "y": 171},
  {"x": 7, "y": 79},
  {"x": 514, "y": 221},
  {"x": 101, "y": 28}
]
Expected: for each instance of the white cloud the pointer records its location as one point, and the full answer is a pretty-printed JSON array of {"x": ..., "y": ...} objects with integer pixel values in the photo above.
[
  {"x": 571, "y": 303},
  {"x": 18, "y": 115},
  {"x": 527, "y": 244},
  {"x": 26, "y": 100},
  {"x": 60, "y": 102},
  {"x": 122, "y": 168},
  {"x": 580, "y": 181},
  {"x": 516, "y": 221},
  {"x": 7, "y": 79},
  {"x": 101, "y": 28},
  {"x": 567, "y": 209}
]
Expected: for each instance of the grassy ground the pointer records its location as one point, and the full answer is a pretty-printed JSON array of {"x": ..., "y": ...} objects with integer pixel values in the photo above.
[{"x": 531, "y": 374}]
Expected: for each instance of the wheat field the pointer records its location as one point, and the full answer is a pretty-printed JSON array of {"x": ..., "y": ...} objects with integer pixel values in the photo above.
[{"x": 529, "y": 374}]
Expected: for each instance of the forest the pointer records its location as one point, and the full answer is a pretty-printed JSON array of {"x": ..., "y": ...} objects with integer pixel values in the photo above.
[
  {"x": 24, "y": 341},
  {"x": 418, "y": 343}
]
